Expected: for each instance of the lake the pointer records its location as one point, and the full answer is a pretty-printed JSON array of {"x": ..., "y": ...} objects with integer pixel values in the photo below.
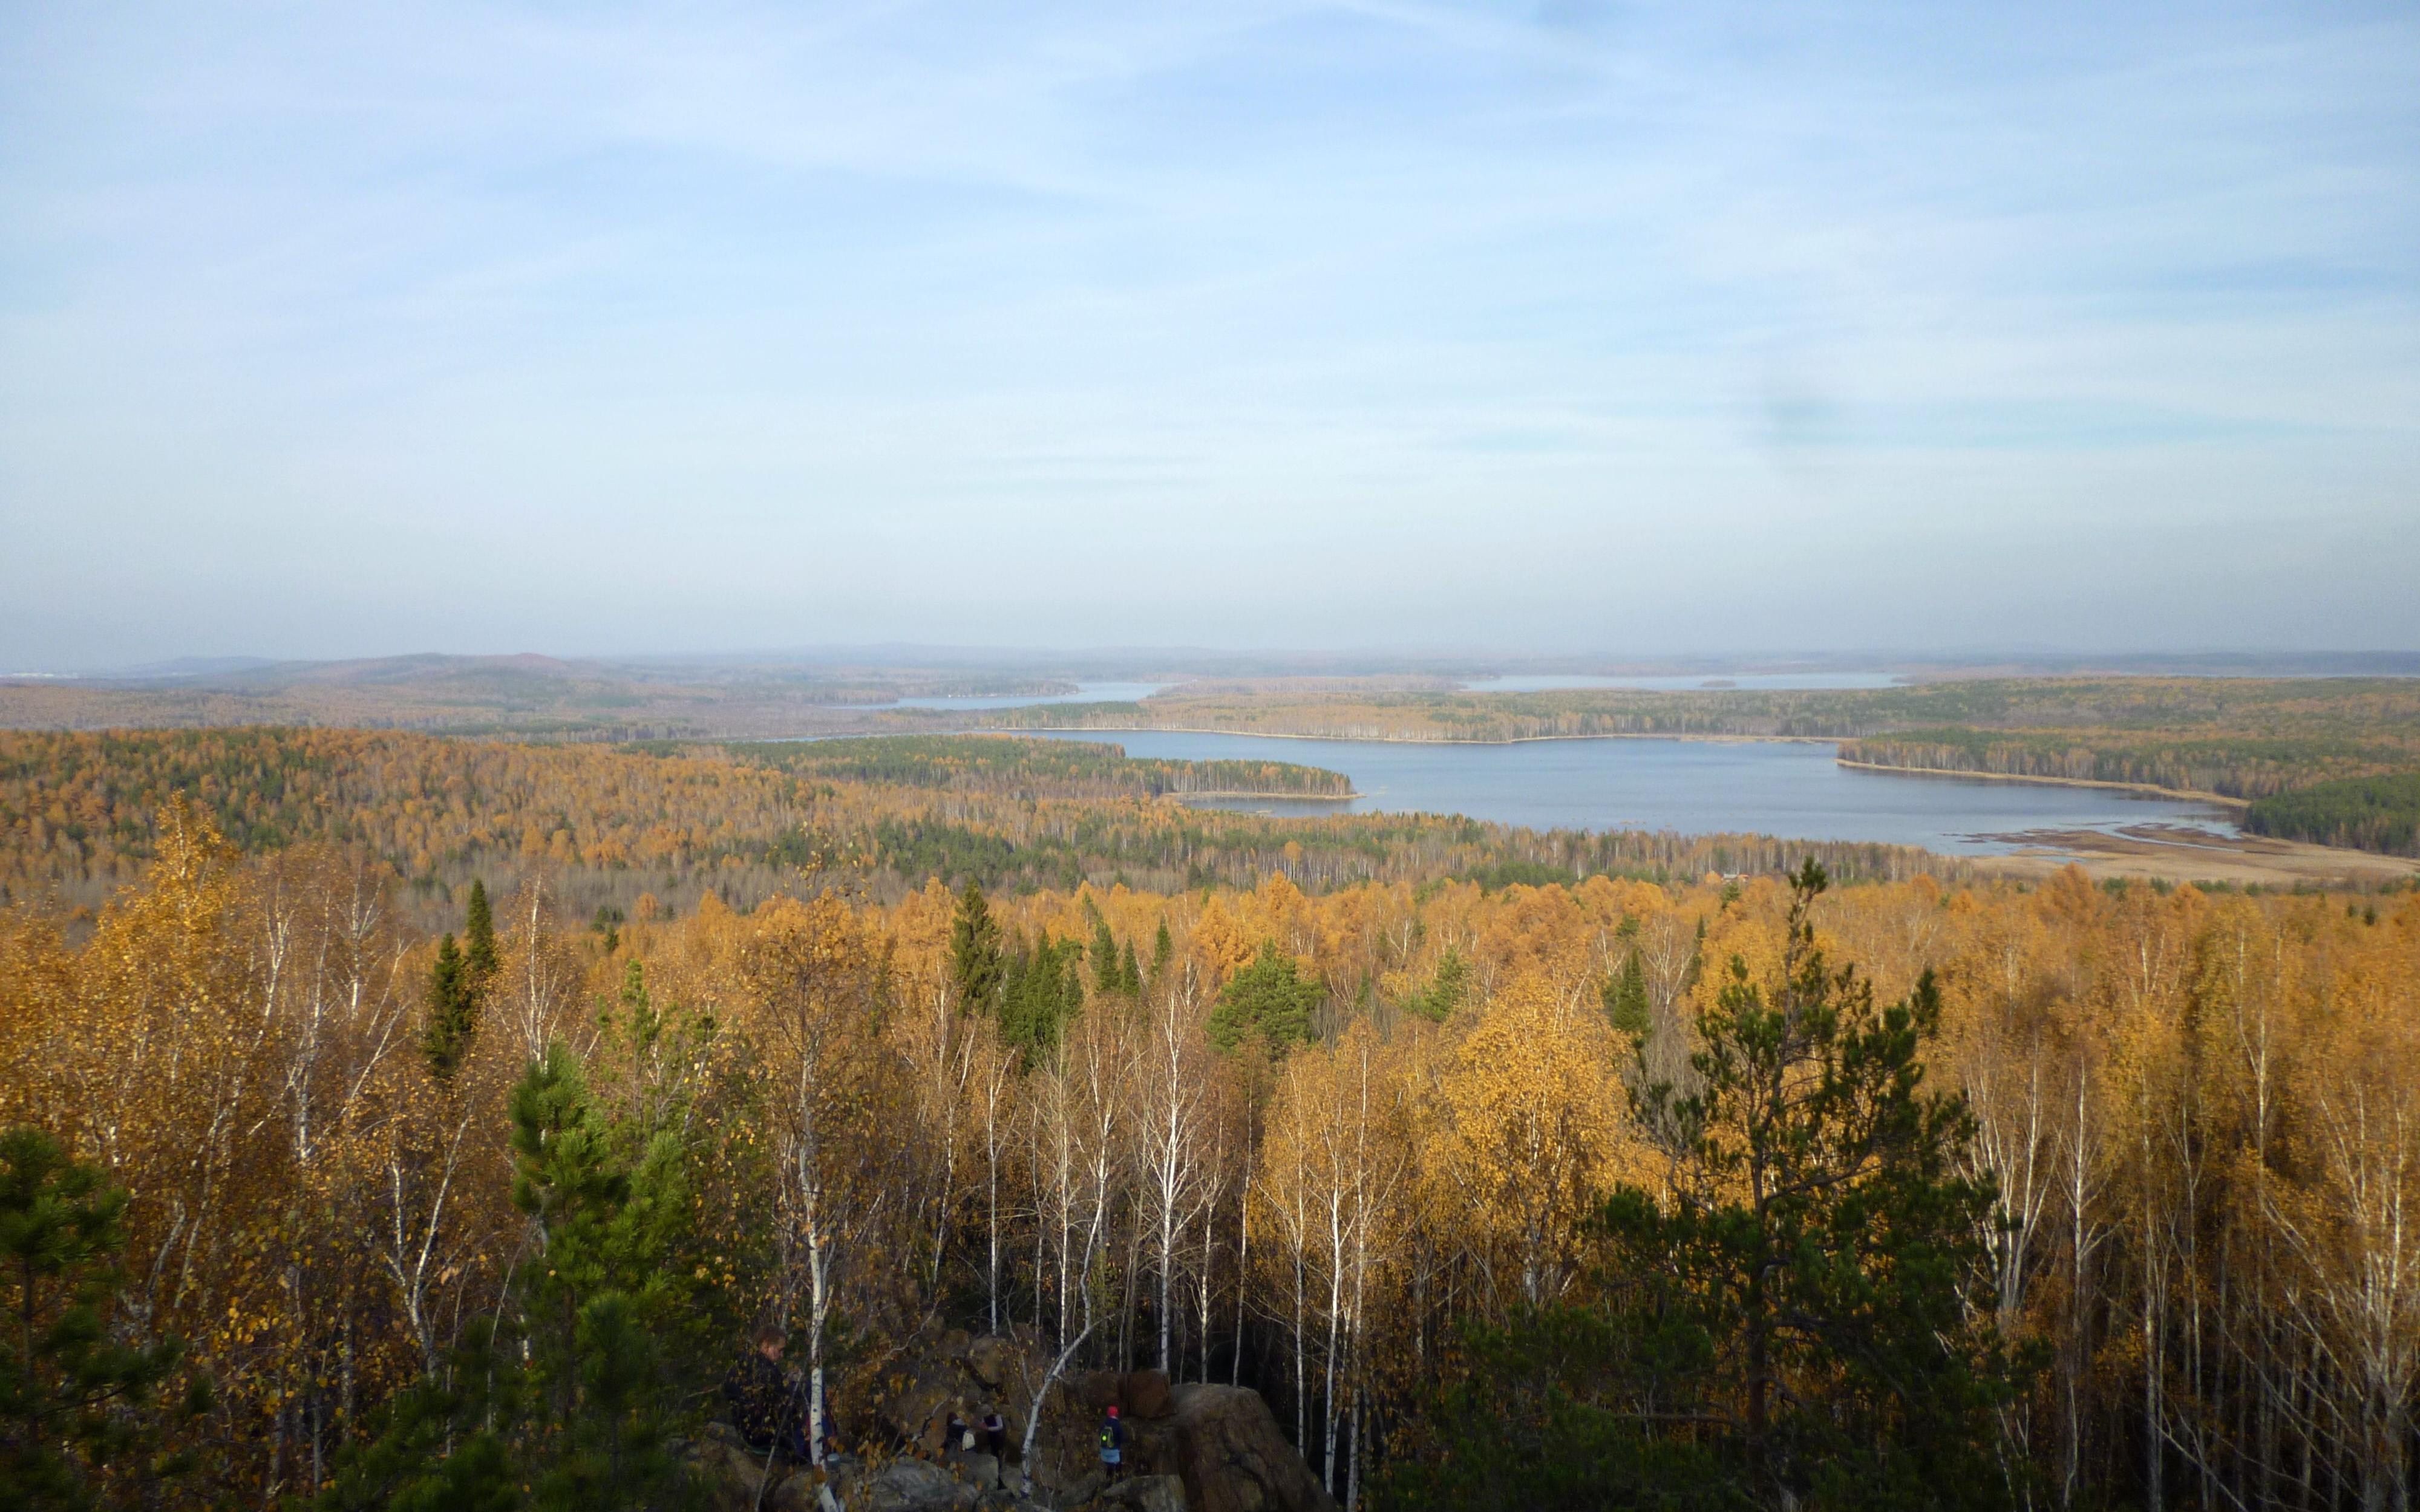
[
  {"x": 1791, "y": 788},
  {"x": 1724, "y": 682}
]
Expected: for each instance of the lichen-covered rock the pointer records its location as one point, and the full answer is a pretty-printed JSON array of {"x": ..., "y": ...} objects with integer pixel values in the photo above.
[
  {"x": 1145, "y": 1493},
  {"x": 797, "y": 1492},
  {"x": 912, "y": 1486},
  {"x": 992, "y": 1361},
  {"x": 1146, "y": 1393},
  {"x": 980, "y": 1470},
  {"x": 721, "y": 1461}
]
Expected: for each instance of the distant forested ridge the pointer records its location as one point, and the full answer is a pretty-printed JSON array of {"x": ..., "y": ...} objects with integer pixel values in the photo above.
[
  {"x": 1062, "y": 768},
  {"x": 2373, "y": 814},
  {"x": 2356, "y": 719},
  {"x": 622, "y": 824}
]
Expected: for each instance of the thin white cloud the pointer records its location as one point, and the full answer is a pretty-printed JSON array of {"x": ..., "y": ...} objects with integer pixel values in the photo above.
[{"x": 1354, "y": 317}]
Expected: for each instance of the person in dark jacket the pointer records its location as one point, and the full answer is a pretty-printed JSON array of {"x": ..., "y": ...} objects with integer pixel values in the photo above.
[
  {"x": 764, "y": 1397},
  {"x": 995, "y": 1436},
  {"x": 1114, "y": 1444}
]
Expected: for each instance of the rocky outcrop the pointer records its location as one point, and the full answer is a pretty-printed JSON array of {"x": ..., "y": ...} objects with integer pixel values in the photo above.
[
  {"x": 1189, "y": 1448},
  {"x": 1146, "y": 1393},
  {"x": 1144, "y": 1493},
  {"x": 912, "y": 1486},
  {"x": 1233, "y": 1459}
]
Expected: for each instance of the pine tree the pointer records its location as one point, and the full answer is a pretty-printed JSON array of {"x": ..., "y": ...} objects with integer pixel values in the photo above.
[
  {"x": 74, "y": 1402},
  {"x": 453, "y": 1011},
  {"x": 1797, "y": 1316},
  {"x": 1130, "y": 975},
  {"x": 977, "y": 969},
  {"x": 571, "y": 1401},
  {"x": 604, "y": 1305},
  {"x": 479, "y": 938}
]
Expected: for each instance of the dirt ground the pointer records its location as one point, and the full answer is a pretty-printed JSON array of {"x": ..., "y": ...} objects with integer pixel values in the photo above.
[{"x": 2178, "y": 854}]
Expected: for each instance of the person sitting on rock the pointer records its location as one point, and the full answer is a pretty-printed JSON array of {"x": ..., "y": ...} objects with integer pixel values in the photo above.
[
  {"x": 763, "y": 1394},
  {"x": 1114, "y": 1444}
]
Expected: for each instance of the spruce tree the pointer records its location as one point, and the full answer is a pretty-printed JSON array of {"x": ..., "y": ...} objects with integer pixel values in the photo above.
[
  {"x": 1269, "y": 1001},
  {"x": 1107, "y": 978},
  {"x": 1041, "y": 990},
  {"x": 977, "y": 968},
  {"x": 479, "y": 938},
  {"x": 1625, "y": 997},
  {"x": 1163, "y": 952},
  {"x": 453, "y": 1011}
]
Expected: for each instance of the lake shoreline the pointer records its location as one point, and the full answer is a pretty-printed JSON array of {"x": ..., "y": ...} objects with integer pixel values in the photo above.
[
  {"x": 2149, "y": 789},
  {"x": 1394, "y": 740},
  {"x": 1289, "y": 797}
]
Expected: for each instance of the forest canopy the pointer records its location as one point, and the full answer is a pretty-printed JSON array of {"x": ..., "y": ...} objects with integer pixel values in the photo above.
[{"x": 2123, "y": 1167}]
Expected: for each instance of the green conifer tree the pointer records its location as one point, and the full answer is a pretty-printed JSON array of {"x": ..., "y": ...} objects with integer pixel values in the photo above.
[
  {"x": 1448, "y": 990},
  {"x": 1269, "y": 1001},
  {"x": 75, "y": 1402},
  {"x": 479, "y": 940},
  {"x": 573, "y": 1398},
  {"x": 453, "y": 1011},
  {"x": 977, "y": 969},
  {"x": 1798, "y": 1317},
  {"x": 1107, "y": 978},
  {"x": 1625, "y": 997},
  {"x": 1163, "y": 952}
]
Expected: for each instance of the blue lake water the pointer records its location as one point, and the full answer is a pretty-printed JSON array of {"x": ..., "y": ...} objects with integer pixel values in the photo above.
[
  {"x": 1795, "y": 790},
  {"x": 1740, "y": 682}
]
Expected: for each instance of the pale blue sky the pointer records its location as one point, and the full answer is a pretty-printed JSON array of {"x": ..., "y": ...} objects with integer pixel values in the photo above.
[{"x": 342, "y": 329}]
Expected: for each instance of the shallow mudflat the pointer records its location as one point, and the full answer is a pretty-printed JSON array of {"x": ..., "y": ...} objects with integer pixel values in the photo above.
[{"x": 2187, "y": 853}]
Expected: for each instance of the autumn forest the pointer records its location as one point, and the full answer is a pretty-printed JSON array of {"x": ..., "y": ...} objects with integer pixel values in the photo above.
[{"x": 404, "y": 1121}]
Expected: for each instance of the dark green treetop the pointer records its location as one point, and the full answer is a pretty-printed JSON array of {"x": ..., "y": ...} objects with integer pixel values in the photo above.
[
  {"x": 453, "y": 1011},
  {"x": 977, "y": 967},
  {"x": 1269, "y": 999},
  {"x": 75, "y": 1403}
]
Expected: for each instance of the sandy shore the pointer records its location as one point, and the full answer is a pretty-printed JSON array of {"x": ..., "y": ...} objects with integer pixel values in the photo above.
[{"x": 2169, "y": 854}]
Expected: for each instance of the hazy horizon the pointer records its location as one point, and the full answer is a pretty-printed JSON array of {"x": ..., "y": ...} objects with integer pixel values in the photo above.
[
  {"x": 1110, "y": 662},
  {"x": 1631, "y": 332}
]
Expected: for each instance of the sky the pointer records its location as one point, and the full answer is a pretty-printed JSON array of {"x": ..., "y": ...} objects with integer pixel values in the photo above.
[{"x": 1573, "y": 326}]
